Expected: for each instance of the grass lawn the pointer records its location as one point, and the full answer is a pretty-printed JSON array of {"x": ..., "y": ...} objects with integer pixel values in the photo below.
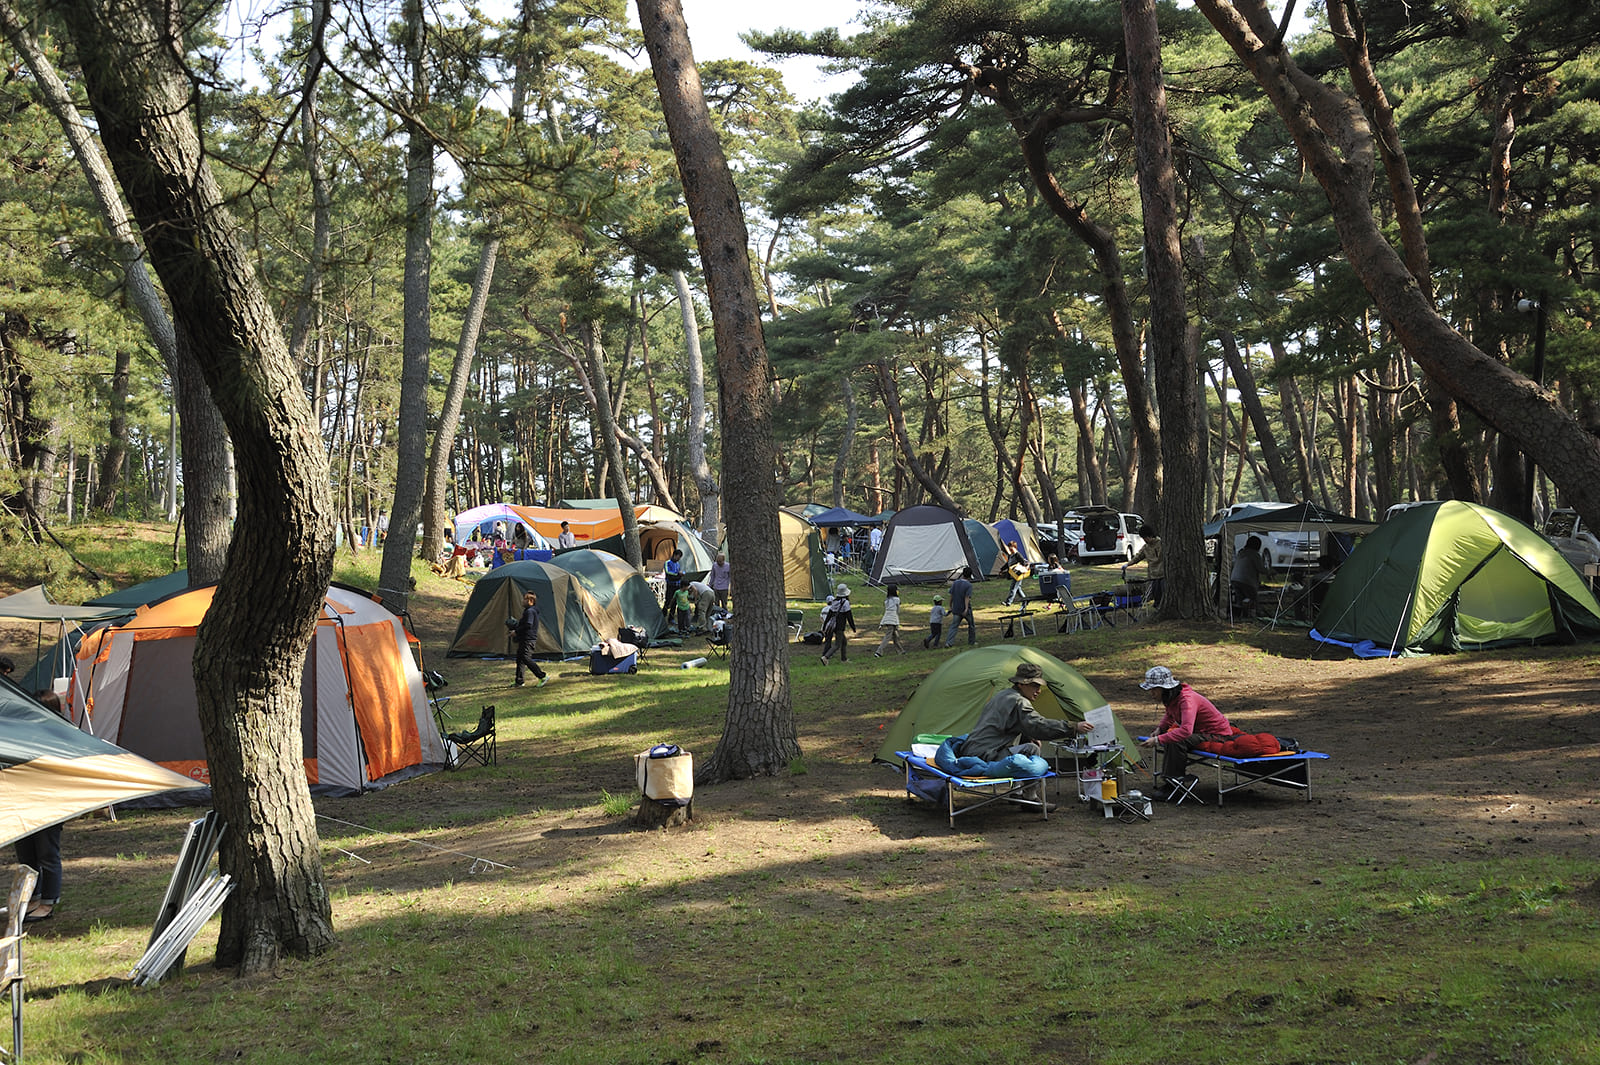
[{"x": 1435, "y": 901}]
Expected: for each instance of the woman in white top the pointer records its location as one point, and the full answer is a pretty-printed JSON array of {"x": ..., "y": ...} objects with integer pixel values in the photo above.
[{"x": 890, "y": 623}]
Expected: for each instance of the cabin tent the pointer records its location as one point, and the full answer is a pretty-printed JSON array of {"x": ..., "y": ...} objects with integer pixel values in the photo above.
[
  {"x": 949, "y": 701},
  {"x": 924, "y": 544},
  {"x": 657, "y": 541},
  {"x": 51, "y": 771},
  {"x": 1022, "y": 534},
  {"x": 570, "y": 620},
  {"x": 1454, "y": 576},
  {"x": 365, "y": 720},
  {"x": 804, "y": 574},
  {"x": 622, "y": 593},
  {"x": 986, "y": 545}
]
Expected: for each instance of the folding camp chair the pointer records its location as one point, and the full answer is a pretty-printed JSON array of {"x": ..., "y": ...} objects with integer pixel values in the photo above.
[
  {"x": 22, "y": 880},
  {"x": 476, "y": 745}
]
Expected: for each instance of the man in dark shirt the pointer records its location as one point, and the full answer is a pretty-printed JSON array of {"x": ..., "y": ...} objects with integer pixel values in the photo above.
[{"x": 961, "y": 607}]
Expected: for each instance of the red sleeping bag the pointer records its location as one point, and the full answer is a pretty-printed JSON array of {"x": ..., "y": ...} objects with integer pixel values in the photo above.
[{"x": 1245, "y": 745}]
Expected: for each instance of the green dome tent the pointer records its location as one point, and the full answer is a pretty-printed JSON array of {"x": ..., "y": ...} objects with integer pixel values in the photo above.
[
  {"x": 1454, "y": 576},
  {"x": 622, "y": 592},
  {"x": 986, "y": 545},
  {"x": 949, "y": 701},
  {"x": 569, "y": 617}
]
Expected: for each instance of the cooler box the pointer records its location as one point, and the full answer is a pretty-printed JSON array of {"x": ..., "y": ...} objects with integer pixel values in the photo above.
[{"x": 600, "y": 662}]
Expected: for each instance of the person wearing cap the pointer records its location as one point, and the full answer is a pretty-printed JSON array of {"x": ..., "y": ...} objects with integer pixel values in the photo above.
[
  {"x": 1009, "y": 724},
  {"x": 935, "y": 623},
  {"x": 1190, "y": 720}
]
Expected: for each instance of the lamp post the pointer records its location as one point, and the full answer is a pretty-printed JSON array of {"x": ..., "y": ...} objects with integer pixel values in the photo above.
[{"x": 1539, "y": 322}]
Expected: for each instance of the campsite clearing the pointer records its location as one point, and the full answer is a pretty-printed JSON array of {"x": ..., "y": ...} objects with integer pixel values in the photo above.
[{"x": 1431, "y": 897}]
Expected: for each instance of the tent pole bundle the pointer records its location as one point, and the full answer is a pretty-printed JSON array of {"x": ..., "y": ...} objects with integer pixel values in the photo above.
[{"x": 200, "y": 844}]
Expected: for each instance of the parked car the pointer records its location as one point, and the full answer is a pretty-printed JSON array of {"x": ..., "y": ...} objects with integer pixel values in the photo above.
[
  {"x": 1062, "y": 540},
  {"x": 1109, "y": 536},
  {"x": 1284, "y": 549},
  {"x": 1565, "y": 529}
]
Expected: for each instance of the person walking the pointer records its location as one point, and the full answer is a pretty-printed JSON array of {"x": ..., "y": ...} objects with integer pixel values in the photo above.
[
  {"x": 961, "y": 608},
  {"x": 935, "y": 623},
  {"x": 838, "y": 616},
  {"x": 890, "y": 623},
  {"x": 527, "y": 630}
]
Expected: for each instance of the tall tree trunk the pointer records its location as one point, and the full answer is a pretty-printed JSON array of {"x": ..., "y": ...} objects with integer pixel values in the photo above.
[
  {"x": 1177, "y": 370},
  {"x": 759, "y": 733},
  {"x": 116, "y": 453},
  {"x": 1250, "y": 399},
  {"x": 710, "y": 492},
  {"x": 1337, "y": 146},
  {"x": 411, "y": 432},
  {"x": 251, "y": 649},
  {"x": 444, "y": 434},
  {"x": 847, "y": 437},
  {"x": 902, "y": 436},
  {"x": 595, "y": 355}
]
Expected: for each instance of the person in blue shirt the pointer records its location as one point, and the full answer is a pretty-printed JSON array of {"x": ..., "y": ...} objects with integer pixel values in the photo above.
[{"x": 672, "y": 570}]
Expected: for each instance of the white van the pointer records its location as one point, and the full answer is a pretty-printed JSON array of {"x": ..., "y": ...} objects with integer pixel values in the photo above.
[{"x": 1109, "y": 536}]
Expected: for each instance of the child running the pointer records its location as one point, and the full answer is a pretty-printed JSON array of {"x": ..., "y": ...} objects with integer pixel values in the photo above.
[{"x": 890, "y": 623}]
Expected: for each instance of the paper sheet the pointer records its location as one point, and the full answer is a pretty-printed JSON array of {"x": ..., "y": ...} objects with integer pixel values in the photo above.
[{"x": 1105, "y": 726}]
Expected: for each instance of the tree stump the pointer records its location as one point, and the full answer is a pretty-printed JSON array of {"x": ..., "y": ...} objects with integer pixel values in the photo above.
[{"x": 652, "y": 814}]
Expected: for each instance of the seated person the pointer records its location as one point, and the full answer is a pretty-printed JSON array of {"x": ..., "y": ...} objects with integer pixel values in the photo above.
[
  {"x": 1249, "y": 567},
  {"x": 1009, "y": 723},
  {"x": 1189, "y": 720}
]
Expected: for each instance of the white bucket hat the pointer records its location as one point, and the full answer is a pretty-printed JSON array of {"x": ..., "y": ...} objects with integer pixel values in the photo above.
[
  {"x": 843, "y": 591},
  {"x": 1158, "y": 677}
]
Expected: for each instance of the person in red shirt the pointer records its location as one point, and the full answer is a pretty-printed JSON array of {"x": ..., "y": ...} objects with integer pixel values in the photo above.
[{"x": 1189, "y": 720}]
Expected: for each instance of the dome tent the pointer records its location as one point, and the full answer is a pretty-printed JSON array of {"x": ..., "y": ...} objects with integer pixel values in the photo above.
[
  {"x": 949, "y": 701},
  {"x": 622, "y": 593},
  {"x": 365, "y": 720},
  {"x": 924, "y": 544},
  {"x": 1454, "y": 576},
  {"x": 570, "y": 620}
]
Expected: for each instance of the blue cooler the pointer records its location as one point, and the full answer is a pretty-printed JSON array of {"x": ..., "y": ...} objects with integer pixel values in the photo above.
[{"x": 600, "y": 663}]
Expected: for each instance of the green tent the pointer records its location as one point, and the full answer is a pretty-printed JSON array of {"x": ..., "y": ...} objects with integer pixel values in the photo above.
[
  {"x": 621, "y": 591},
  {"x": 949, "y": 701},
  {"x": 570, "y": 621},
  {"x": 1454, "y": 576},
  {"x": 804, "y": 575}
]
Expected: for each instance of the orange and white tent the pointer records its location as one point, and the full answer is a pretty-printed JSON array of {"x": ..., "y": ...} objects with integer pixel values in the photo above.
[
  {"x": 365, "y": 719},
  {"x": 589, "y": 525}
]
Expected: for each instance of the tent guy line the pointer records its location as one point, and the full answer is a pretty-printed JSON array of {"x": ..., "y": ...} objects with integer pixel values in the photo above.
[{"x": 477, "y": 862}]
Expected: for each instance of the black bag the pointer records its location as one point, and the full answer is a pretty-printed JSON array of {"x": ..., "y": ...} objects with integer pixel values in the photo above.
[
  {"x": 813, "y": 638},
  {"x": 637, "y": 637}
]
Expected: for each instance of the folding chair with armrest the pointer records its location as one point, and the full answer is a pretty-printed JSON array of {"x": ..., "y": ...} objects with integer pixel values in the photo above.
[{"x": 477, "y": 744}]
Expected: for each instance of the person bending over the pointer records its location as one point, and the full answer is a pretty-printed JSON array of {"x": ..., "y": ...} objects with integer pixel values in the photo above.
[{"x": 1189, "y": 720}]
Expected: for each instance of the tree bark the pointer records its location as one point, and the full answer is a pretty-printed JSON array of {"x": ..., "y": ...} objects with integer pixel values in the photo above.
[
  {"x": 1177, "y": 372},
  {"x": 249, "y": 655},
  {"x": 606, "y": 421},
  {"x": 444, "y": 434},
  {"x": 1250, "y": 399},
  {"x": 411, "y": 432},
  {"x": 1336, "y": 143},
  {"x": 759, "y": 734},
  {"x": 710, "y": 491},
  {"x": 116, "y": 453}
]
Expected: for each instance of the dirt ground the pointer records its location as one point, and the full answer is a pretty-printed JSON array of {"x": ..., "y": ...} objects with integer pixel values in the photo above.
[{"x": 1432, "y": 759}]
